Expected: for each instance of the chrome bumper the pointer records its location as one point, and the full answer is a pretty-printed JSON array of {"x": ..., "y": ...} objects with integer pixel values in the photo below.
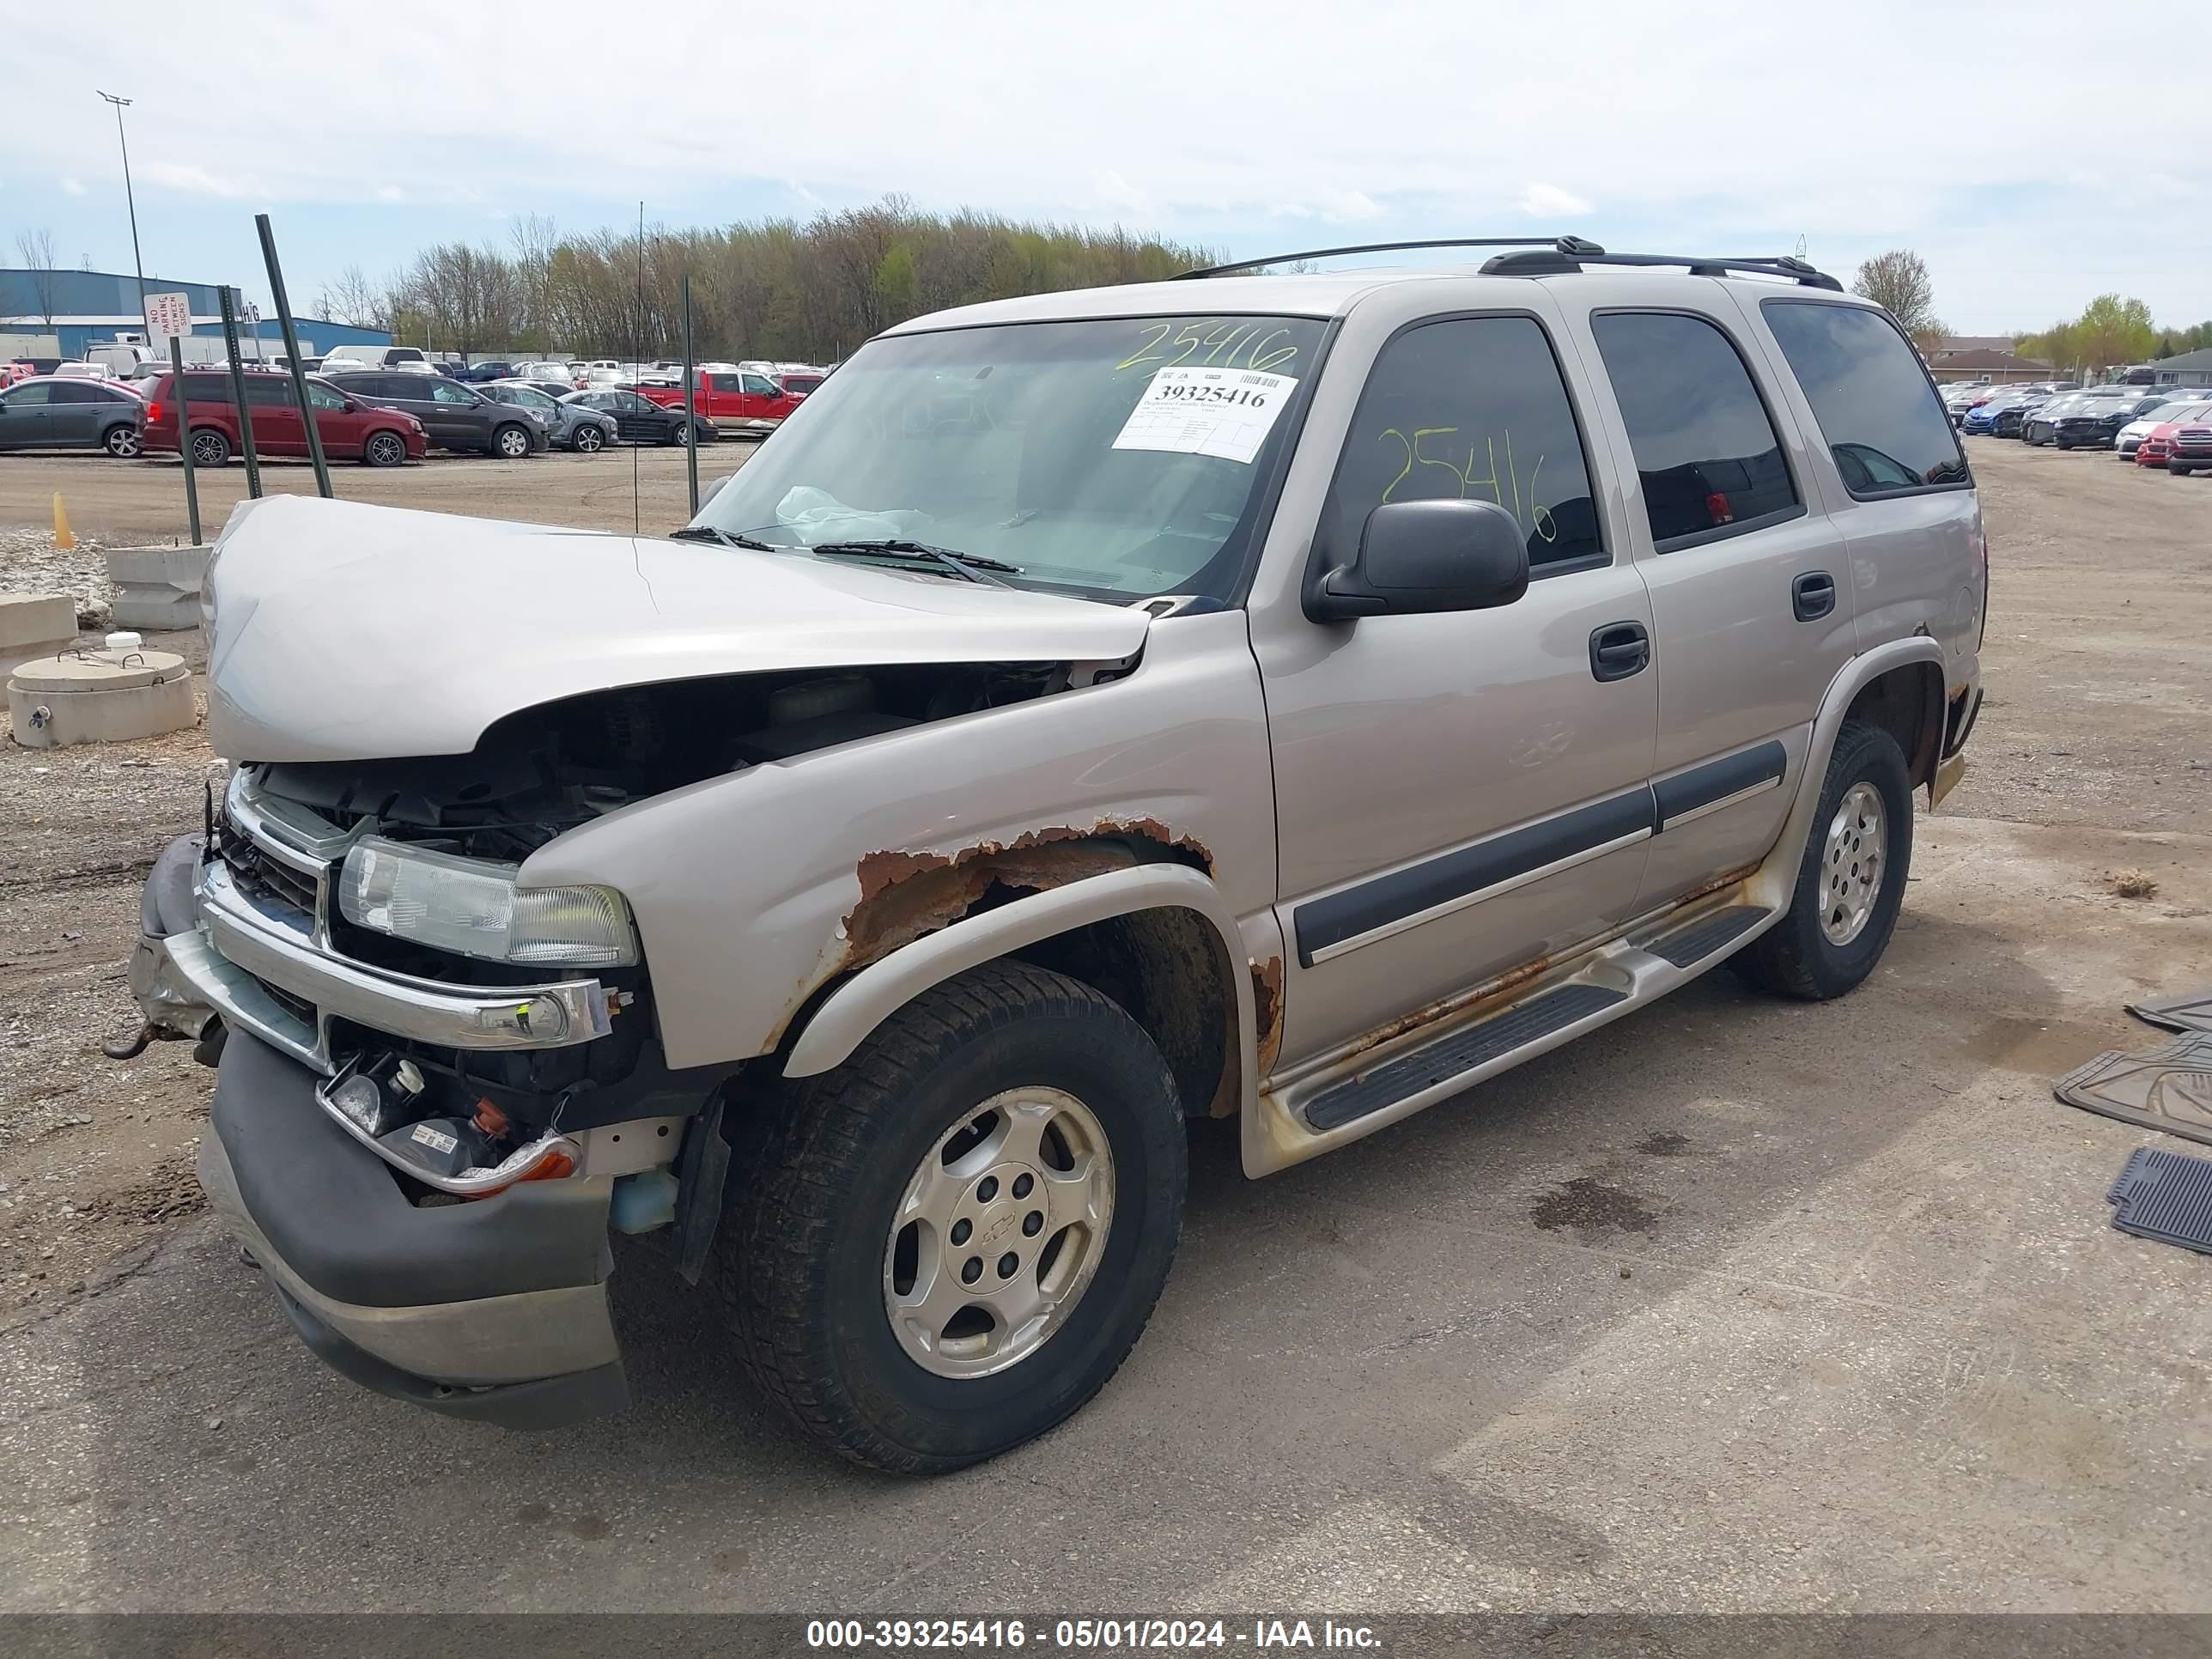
[{"x": 242, "y": 949}]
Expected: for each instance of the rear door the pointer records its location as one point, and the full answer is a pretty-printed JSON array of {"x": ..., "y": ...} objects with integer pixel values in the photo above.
[
  {"x": 1750, "y": 600},
  {"x": 1898, "y": 482},
  {"x": 23, "y": 419},
  {"x": 278, "y": 427},
  {"x": 74, "y": 414}
]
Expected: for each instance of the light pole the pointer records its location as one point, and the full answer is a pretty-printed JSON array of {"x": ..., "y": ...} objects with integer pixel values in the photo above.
[{"x": 136, "y": 263}]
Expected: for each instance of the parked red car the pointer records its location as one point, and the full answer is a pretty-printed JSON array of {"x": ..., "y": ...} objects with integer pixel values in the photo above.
[
  {"x": 2157, "y": 447},
  {"x": 351, "y": 429},
  {"x": 738, "y": 401}
]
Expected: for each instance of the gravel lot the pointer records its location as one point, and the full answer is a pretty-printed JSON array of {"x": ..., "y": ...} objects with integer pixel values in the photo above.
[{"x": 1739, "y": 1305}]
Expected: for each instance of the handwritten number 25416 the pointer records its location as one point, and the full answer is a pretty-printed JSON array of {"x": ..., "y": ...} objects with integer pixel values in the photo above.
[{"x": 1211, "y": 345}]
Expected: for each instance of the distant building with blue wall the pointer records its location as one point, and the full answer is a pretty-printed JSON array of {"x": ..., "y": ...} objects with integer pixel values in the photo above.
[{"x": 87, "y": 307}]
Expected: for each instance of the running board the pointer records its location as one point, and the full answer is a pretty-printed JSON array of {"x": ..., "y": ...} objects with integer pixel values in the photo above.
[
  {"x": 1462, "y": 1051},
  {"x": 1353, "y": 1094}
]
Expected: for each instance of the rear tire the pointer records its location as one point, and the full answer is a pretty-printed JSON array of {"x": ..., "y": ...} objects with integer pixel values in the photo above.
[
  {"x": 862, "y": 1193},
  {"x": 1851, "y": 882},
  {"x": 123, "y": 442},
  {"x": 210, "y": 447},
  {"x": 2178, "y": 470}
]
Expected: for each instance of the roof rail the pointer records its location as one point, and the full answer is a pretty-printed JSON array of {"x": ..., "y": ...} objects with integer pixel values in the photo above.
[
  {"x": 1375, "y": 247},
  {"x": 1561, "y": 260},
  {"x": 1551, "y": 256}
]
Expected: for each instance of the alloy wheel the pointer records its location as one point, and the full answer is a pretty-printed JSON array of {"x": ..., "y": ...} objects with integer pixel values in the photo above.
[
  {"x": 1853, "y": 863},
  {"x": 998, "y": 1233}
]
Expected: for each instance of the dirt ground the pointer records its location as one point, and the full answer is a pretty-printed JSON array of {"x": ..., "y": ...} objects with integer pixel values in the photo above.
[{"x": 1863, "y": 1236}]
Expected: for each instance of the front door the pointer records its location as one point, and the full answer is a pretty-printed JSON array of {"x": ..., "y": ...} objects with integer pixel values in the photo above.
[
  {"x": 23, "y": 423},
  {"x": 1460, "y": 794}
]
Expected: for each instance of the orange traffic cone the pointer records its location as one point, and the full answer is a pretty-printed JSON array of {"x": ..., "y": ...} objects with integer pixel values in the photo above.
[{"x": 63, "y": 539}]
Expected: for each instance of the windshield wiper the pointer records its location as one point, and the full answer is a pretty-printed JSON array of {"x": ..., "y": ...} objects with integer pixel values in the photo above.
[
  {"x": 970, "y": 567},
  {"x": 707, "y": 533}
]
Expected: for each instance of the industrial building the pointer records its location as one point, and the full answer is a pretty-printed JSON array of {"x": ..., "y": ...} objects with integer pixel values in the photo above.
[{"x": 57, "y": 314}]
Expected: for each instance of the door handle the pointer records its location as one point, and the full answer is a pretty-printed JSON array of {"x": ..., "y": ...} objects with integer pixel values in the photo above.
[
  {"x": 1620, "y": 649},
  {"x": 1813, "y": 595}
]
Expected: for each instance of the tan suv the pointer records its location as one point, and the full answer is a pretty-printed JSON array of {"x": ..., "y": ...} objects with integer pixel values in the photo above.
[{"x": 1292, "y": 699}]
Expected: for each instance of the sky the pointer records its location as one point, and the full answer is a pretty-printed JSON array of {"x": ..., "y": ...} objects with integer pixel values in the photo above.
[{"x": 2021, "y": 150}]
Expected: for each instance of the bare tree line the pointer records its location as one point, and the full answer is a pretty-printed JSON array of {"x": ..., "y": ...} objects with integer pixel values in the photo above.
[{"x": 776, "y": 289}]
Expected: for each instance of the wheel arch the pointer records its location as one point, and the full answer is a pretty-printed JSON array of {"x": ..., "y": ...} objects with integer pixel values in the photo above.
[
  {"x": 1901, "y": 674},
  {"x": 1156, "y": 936},
  {"x": 1906, "y": 702}
]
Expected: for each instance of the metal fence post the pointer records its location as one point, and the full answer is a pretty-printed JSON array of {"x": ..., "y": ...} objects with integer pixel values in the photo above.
[
  {"x": 229, "y": 299},
  {"x": 691, "y": 405},
  {"x": 292, "y": 355},
  {"x": 185, "y": 434}
]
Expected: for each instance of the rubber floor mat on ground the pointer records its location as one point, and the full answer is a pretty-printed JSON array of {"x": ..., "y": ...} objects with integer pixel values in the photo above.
[
  {"x": 2166, "y": 1196},
  {"x": 2189, "y": 1012},
  {"x": 2168, "y": 1087}
]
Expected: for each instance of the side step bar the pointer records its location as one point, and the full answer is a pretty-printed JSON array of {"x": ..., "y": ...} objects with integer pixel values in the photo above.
[
  {"x": 1335, "y": 1102},
  {"x": 1461, "y": 1051}
]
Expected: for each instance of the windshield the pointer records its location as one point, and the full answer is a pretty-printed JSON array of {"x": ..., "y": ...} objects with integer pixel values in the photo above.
[{"x": 1117, "y": 457}]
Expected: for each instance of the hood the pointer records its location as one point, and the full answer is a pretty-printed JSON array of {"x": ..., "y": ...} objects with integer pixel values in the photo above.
[{"x": 345, "y": 632}]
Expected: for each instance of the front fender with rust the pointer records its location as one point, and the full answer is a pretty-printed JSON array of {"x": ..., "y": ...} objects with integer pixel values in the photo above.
[{"x": 755, "y": 891}]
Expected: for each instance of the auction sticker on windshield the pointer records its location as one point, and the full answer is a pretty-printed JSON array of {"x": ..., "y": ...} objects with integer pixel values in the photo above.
[{"x": 1222, "y": 412}]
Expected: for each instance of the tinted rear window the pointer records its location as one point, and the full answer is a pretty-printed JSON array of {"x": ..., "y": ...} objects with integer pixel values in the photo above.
[
  {"x": 1883, "y": 422},
  {"x": 1706, "y": 450}
]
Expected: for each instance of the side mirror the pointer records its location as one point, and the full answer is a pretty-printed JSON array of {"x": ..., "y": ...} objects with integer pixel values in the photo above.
[{"x": 1419, "y": 557}]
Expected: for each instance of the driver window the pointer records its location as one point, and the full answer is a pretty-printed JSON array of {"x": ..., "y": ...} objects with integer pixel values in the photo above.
[
  {"x": 1473, "y": 409},
  {"x": 447, "y": 393}
]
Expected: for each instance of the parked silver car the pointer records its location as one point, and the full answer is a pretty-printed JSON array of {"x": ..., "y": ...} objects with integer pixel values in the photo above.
[
  {"x": 570, "y": 426},
  {"x": 1292, "y": 700}
]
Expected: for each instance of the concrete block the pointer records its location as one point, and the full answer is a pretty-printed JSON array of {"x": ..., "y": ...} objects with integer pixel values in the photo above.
[
  {"x": 34, "y": 625},
  {"x": 99, "y": 697},
  {"x": 154, "y": 607},
  {"x": 157, "y": 587}
]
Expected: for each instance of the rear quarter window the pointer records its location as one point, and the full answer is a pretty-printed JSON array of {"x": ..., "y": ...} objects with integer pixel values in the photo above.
[{"x": 1883, "y": 422}]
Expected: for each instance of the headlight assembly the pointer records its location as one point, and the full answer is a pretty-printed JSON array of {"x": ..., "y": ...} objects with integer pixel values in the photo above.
[{"x": 475, "y": 908}]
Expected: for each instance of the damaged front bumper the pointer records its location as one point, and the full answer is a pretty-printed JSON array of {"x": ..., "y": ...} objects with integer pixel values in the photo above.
[
  {"x": 486, "y": 1300},
  {"x": 494, "y": 1310}
]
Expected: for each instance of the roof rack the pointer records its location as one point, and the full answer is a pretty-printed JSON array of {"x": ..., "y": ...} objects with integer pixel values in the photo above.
[
  {"x": 1553, "y": 256},
  {"x": 1373, "y": 247},
  {"x": 1563, "y": 259}
]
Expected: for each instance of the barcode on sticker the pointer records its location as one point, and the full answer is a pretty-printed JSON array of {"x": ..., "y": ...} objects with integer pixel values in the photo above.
[{"x": 438, "y": 1140}]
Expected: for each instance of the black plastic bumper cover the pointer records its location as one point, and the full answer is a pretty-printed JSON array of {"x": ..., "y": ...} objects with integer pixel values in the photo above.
[{"x": 332, "y": 1209}]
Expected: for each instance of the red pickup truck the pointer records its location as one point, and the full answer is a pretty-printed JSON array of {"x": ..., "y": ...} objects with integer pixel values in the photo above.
[{"x": 739, "y": 401}]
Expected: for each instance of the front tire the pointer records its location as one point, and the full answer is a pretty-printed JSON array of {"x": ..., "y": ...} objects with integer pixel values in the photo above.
[
  {"x": 947, "y": 1245},
  {"x": 511, "y": 443},
  {"x": 588, "y": 441},
  {"x": 2178, "y": 470},
  {"x": 384, "y": 449},
  {"x": 1851, "y": 882}
]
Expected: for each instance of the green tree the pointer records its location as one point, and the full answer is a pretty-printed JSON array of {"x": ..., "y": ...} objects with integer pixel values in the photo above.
[{"x": 2112, "y": 331}]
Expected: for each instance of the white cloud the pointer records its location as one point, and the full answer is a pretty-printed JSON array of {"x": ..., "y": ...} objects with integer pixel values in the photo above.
[
  {"x": 196, "y": 179},
  {"x": 1118, "y": 193},
  {"x": 73, "y": 186},
  {"x": 1697, "y": 140},
  {"x": 1550, "y": 202},
  {"x": 390, "y": 194}
]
